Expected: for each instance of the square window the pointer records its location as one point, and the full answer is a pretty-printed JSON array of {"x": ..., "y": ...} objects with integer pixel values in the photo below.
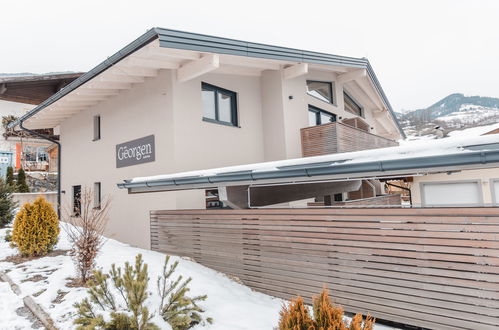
[
  {"x": 219, "y": 105},
  {"x": 320, "y": 89}
]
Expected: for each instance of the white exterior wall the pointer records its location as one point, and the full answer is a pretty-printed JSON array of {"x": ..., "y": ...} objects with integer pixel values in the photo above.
[
  {"x": 269, "y": 130},
  {"x": 484, "y": 176}
]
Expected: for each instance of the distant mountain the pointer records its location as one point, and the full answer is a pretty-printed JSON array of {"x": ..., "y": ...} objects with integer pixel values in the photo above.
[{"x": 453, "y": 112}]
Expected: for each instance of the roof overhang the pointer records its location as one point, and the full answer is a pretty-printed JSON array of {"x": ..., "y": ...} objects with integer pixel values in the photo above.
[
  {"x": 34, "y": 89},
  {"x": 324, "y": 168},
  {"x": 191, "y": 54}
]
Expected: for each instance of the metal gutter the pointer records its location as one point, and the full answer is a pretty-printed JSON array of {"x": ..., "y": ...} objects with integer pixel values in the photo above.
[
  {"x": 205, "y": 43},
  {"x": 312, "y": 170}
]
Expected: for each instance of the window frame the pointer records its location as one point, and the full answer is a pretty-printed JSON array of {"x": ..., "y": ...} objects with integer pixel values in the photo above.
[
  {"x": 97, "y": 195},
  {"x": 348, "y": 95},
  {"x": 423, "y": 196},
  {"x": 318, "y": 112},
  {"x": 97, "y": 128},
  {"x": 331, "y": 90},
  {"x": 74, "y": 197},
  {"x": 494, "y": 196},
  {"x": 233, "y": 105}
]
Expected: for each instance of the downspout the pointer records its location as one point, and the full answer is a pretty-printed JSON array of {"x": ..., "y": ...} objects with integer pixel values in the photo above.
[{"x": 58, "y": 163}]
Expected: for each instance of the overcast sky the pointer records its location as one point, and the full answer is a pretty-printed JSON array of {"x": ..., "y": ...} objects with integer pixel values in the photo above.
[{"x": 421, "y": 50}]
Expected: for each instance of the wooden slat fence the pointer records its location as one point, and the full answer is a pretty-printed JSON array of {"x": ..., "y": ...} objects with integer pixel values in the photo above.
[{"x": 431, "y": 267}]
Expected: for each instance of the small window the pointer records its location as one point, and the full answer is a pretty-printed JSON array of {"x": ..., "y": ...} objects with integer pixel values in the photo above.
[
  {"x": 219, "y": 105},
  {"x": 76, "y": 200},
  {"x": 321, "y": 90},
  {"x": 318, "y": 116},
  {"x": 96, "y": 128},
  {"x": 97, "y": 195},
  {"x": 351, "y": 105}
]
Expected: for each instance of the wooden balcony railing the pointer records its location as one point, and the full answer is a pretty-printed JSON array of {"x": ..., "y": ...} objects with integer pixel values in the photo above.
[{"x": 338, "y": 137}]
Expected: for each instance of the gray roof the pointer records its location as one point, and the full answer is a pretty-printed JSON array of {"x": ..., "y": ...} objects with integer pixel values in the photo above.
[
  {"x": 204, "y": 43},
  {"x": 454, "y": 155}
]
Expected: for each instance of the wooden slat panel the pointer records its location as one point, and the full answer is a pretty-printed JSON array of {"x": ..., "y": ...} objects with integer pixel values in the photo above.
[
  {"x": 338, "y": 137},
  {"x": 435, "y": 268}
]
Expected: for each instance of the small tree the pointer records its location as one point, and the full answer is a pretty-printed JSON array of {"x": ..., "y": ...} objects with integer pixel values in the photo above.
[
  {"x": 295, "y": 316},
  {"x": 36, "y": 228},
  {"x": 176, "y": 308},
  {"x": 85, "y": 232},
  {"x": 9, "y": 178},
  {"x": 130, "y": 313},
  {"x": 7, "y": 204},
  {"x": 22, "y": 186},
  {"x": 327, "y": 316}
]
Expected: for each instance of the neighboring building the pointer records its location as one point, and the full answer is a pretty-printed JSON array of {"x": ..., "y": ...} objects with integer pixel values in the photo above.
[
  {"x": 174, "y": 101},
  {"x": 18, "y": 95}
]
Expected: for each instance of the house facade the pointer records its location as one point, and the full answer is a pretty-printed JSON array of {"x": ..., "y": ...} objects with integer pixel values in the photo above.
[{"x": 173, "y": 101}]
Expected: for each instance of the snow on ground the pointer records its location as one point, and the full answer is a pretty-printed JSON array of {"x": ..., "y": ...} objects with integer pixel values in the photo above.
[
  {"x": 9, "y": 303},
  {"x": 232, "y": 306}
]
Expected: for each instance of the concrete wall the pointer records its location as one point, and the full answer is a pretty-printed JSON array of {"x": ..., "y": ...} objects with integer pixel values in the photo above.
[
  {"x": 483, "y": 175},
  {"x": 22, "y": 198},
  {"x": 269, "y": 129}
]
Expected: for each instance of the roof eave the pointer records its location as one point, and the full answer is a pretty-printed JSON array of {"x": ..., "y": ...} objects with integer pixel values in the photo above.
[{"x": 439, "y": 163}]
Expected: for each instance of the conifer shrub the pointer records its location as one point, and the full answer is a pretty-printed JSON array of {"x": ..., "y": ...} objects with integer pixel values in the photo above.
[
  {"x": 36, "y": 228},
  {"x": 9, "y": 177},
  {"x": 7, "y": 204},
  {"x": 295, "y": 316},
  {"x": 117, "y": 300},
  {"x": 22, "y": 186},
  {"x": 326, "y": 316},
  {"x": 128, "y": 310},
  {"x": 179, "y": 310}
]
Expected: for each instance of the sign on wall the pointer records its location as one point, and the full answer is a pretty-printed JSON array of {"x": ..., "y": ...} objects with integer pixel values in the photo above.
[{"x": 135, "y": 152}]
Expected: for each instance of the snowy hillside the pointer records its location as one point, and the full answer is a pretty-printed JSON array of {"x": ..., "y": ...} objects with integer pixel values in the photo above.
[{"x": 455, "y": 111}]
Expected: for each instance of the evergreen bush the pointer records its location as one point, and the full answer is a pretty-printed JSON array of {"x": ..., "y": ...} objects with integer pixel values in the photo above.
[
  {"x": 7, "y": 204},
  {"x": 9, "y": 177},
  {"x": 130, "y": 313},
  {"x": 22, "y": 186},
  {"x": 36, "y": 228},
  {"x": 176, "y": 308},
  {"x": 326, "y": 316}
]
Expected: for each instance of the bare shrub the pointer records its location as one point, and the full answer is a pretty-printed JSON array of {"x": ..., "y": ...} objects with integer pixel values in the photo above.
[{"x": 85, "y": 228}]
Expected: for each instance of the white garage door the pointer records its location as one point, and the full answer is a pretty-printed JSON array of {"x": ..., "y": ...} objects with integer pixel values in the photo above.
[
  {"x": 451, "y": 193},
  {"x": 495, "y": 191}
]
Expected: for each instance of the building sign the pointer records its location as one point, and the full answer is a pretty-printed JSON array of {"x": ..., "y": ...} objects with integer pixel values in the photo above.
[{"x": 135, "y": 152}]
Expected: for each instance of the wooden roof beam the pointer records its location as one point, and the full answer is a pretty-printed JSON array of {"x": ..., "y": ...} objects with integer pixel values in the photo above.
[
  {"x": 199, "y": 67},
  {"x": 295, "y": 71},
  {"x": 351, "y": 75}
]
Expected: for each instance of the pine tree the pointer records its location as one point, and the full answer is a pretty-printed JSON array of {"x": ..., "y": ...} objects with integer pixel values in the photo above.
[
  {"x": 7, "y": 204},
  {"x": 132, "y": 314},
  {"x": 10, "y": 176},
  {"x": 22, "y": 186},
  {"x": 36, "y": 228},
  {"x": 176, "y": 308}
]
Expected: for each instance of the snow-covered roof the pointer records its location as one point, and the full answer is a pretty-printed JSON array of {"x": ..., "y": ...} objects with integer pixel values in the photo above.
[{"x": 425, "y": 154}]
